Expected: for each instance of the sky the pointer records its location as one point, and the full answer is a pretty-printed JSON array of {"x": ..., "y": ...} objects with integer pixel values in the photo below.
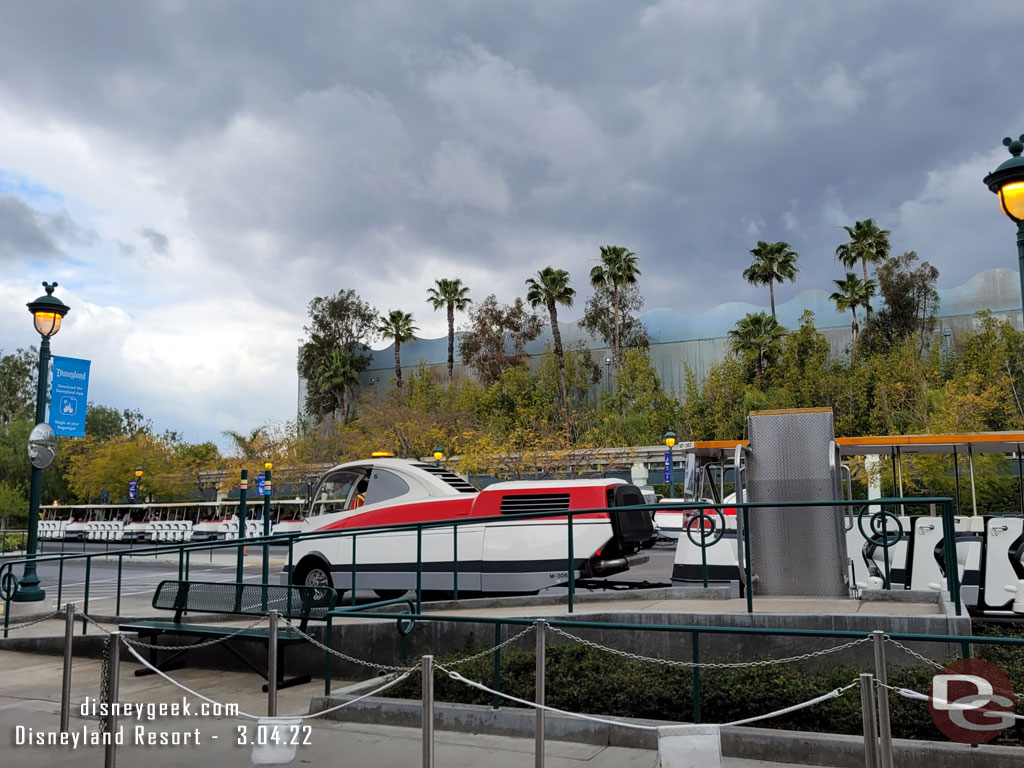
[{"x": 193, "y": 173}]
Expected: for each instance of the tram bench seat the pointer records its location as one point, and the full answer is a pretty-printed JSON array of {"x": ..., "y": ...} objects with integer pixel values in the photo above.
[{"x": 234, "y": 599}]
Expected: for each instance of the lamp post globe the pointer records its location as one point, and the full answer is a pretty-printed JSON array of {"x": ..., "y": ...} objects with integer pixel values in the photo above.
[
  {"x": 438, "y": 455},
  {"x": 47, "y": 315},
  {"x": 1007, "y": 181},
  {"x": 670, "y": 441}
]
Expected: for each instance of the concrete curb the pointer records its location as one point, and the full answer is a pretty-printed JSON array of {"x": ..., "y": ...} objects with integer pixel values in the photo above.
[{"x": 798, "y": 747}]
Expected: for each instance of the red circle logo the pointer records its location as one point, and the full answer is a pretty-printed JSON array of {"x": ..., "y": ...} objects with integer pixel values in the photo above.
[{"x": 971, "y": 701}]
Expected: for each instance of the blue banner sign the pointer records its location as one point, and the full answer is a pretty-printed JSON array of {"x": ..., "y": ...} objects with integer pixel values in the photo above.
[
  {"x": 68, "y": 396},
  {"x": 668, "y": 467},
  {"x": 133, "y": 490},
  {"x": 261, "y": 484}
]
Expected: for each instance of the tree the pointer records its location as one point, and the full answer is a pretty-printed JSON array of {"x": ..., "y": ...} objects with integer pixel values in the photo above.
[
  {"x": 868, "y": 244},
  {"x": 617, "y": 270},
  {"x": 103, "y": 422},
  {"x": 551, "y": 288},
  {"x": 497, "y": 336},
  {"x": 911, "y": 301},
  {"x": 639, "y": 411},
  {"x": 852, "y": 292},
  {"x": 453, "y": 296},
  {"x": 599, "y": 318},
  {"x": 773, "y": 263},
  {"x": 336, "y": 352},
  {"x": 18, "y": 372},
  {"x": 397, "y": 325},
  {"x": 757, "y": 337}
]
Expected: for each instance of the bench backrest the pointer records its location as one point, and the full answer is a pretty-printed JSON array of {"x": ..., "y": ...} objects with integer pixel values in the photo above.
[{"x": 292, "y": 602}]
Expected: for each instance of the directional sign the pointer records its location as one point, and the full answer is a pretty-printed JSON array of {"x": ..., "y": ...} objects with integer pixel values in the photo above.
[
  {"x": 261, "y": 484},
  {"x": 68, "y": 396},
  {"x": 133, "y": 490},
  {"x": 668, "y": 467}
]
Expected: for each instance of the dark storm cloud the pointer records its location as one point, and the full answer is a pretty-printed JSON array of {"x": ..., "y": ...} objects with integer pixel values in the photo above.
[
  {"x": 27, "y": 232},
  {"x": 355, "y": 140}
]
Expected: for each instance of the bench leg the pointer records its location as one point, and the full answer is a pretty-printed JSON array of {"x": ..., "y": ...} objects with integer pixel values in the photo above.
[{"x": 168, "y": 664}]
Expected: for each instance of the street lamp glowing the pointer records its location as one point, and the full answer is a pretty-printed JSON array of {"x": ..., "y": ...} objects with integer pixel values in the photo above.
[
  {"x": 438, "y": 454},
  {"x": 268, "y": 465},
  {"x": 47, "y": 312},
  {"x": 138, "y": 471},
  {"x": 670, "y": 438},
  {"x": 1011, "y": 197}
]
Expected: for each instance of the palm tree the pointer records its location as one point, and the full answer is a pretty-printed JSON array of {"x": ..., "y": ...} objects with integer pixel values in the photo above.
[
  {"x": 397, "y": 325},
  {"x": 868, "y": 244},
  {"x": 551, "y": 288},
  {"x": 773, "y": 263},
  {"x": 455, "y": 296},
  {"x": 852, "y": 293},
  {"x": 617, "y": 270},
  {"x": 757, "y": 335}
]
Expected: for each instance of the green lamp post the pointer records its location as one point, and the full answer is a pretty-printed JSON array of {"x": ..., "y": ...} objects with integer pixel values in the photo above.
[
  {"x": 670, "y": 441},
  {"x": 438, "y": 455},
  {"x": 1007, "y": 181},
  {"x": 47, "y": 312}
]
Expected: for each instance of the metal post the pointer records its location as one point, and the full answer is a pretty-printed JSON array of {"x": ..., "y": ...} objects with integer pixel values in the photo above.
[
  {"x": 949, "y": 549},
  {"x": 328, "y": 657},
  {"x": 29, "y": 589},
  {"x": 272, "y": 667},
  {"x": 956, "y": 478},
  {"x": 1020, "y": 259},
  {"x": 970, "y": 466},
  {"x": 746, "y": 559},
  {"x": 572, "y": 567},
  {"x": 113, "y": 680},
  {"x": 695, "y": 655},
  {"x": 243, "y": 492},
  {"x": 85, "y": 595},
  {"x": 1020, "y": 478},
  {"x": 867, "y": 706},
  {"x": 884, "y": 726},
  {"x": 266, "y": 526},
  {"x": 671, "y": 475},
  {"x": 496, "y": 680},
  {"x": 541, "y": 627},
  {"x": 65, "y": 691},
  {"x": 428, "y": 711}
]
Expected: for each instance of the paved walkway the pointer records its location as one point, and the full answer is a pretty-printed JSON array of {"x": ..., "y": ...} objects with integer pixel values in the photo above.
[{"x": 30, "y": 696}]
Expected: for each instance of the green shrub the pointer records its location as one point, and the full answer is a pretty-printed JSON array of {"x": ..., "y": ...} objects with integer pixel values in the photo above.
[{"x": 586, "y": 680}]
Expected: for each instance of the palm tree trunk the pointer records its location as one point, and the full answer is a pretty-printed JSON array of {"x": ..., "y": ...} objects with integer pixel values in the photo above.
[
  {"x": 616, "y": 349},
  {"x": 864, "y": 265},
  {"x": 771, "y": 294},
  {"x": 451, "y": 340},
  {"x": 563, "y": 378},
  {"x": 854, "y": 329},
  {"x": 398, "y": 362}
]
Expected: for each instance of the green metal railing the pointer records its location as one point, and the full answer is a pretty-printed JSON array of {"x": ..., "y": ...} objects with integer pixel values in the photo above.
[
  {"x": 964, "y": 641},
  {"x": 184, "y": 551}
]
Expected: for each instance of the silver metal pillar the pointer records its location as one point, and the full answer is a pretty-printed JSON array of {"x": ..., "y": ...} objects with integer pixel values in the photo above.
[
  {"x": 272, "y": 667},
  {"x": 428, "y": 712},
  {"x": 113, "y": 681},
  {"x": 540, "y": 630},
  {"x": 867, "y": 707},
  {"x": 65, "y": 691},
  {"x": 884, "y": 725}
]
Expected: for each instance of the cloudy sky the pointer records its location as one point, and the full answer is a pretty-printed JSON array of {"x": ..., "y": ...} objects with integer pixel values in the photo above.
[{"x": 193, "y": 173}]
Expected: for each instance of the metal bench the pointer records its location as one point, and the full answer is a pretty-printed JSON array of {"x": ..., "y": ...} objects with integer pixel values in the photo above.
[{"x": 291, "y": 602}]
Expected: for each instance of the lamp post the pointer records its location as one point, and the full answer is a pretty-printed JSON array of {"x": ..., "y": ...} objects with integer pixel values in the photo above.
[
  {"x": 670, "y": 440},
  {"x": 1007, "y": 181},
  {"x": 138, "y": 485},
  {"x": 438, "y": 455},
  {"x": 47, "y": 312},
  {"x": 267, "y": 466}
]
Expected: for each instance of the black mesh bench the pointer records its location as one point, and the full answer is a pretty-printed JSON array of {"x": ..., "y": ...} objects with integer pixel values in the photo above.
[{"x": 292, "y": 602}]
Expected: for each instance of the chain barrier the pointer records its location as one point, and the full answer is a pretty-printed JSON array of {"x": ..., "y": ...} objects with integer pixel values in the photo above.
[
  {"x": 489, "y": 651},
  {"x": 105, "y": 678},
  {"x": 39, "y": 620},
  {"x": 607, "y": 721},
  {"x": 929, "y": 662},
  {"x": 345, "y": 656},
  {"x": 191, "y": 646},
  {"x": 711, "y": 664}
]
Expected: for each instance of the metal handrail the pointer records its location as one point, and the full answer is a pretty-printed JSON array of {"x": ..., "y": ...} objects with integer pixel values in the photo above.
[{"x": 184, "y": 550}]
